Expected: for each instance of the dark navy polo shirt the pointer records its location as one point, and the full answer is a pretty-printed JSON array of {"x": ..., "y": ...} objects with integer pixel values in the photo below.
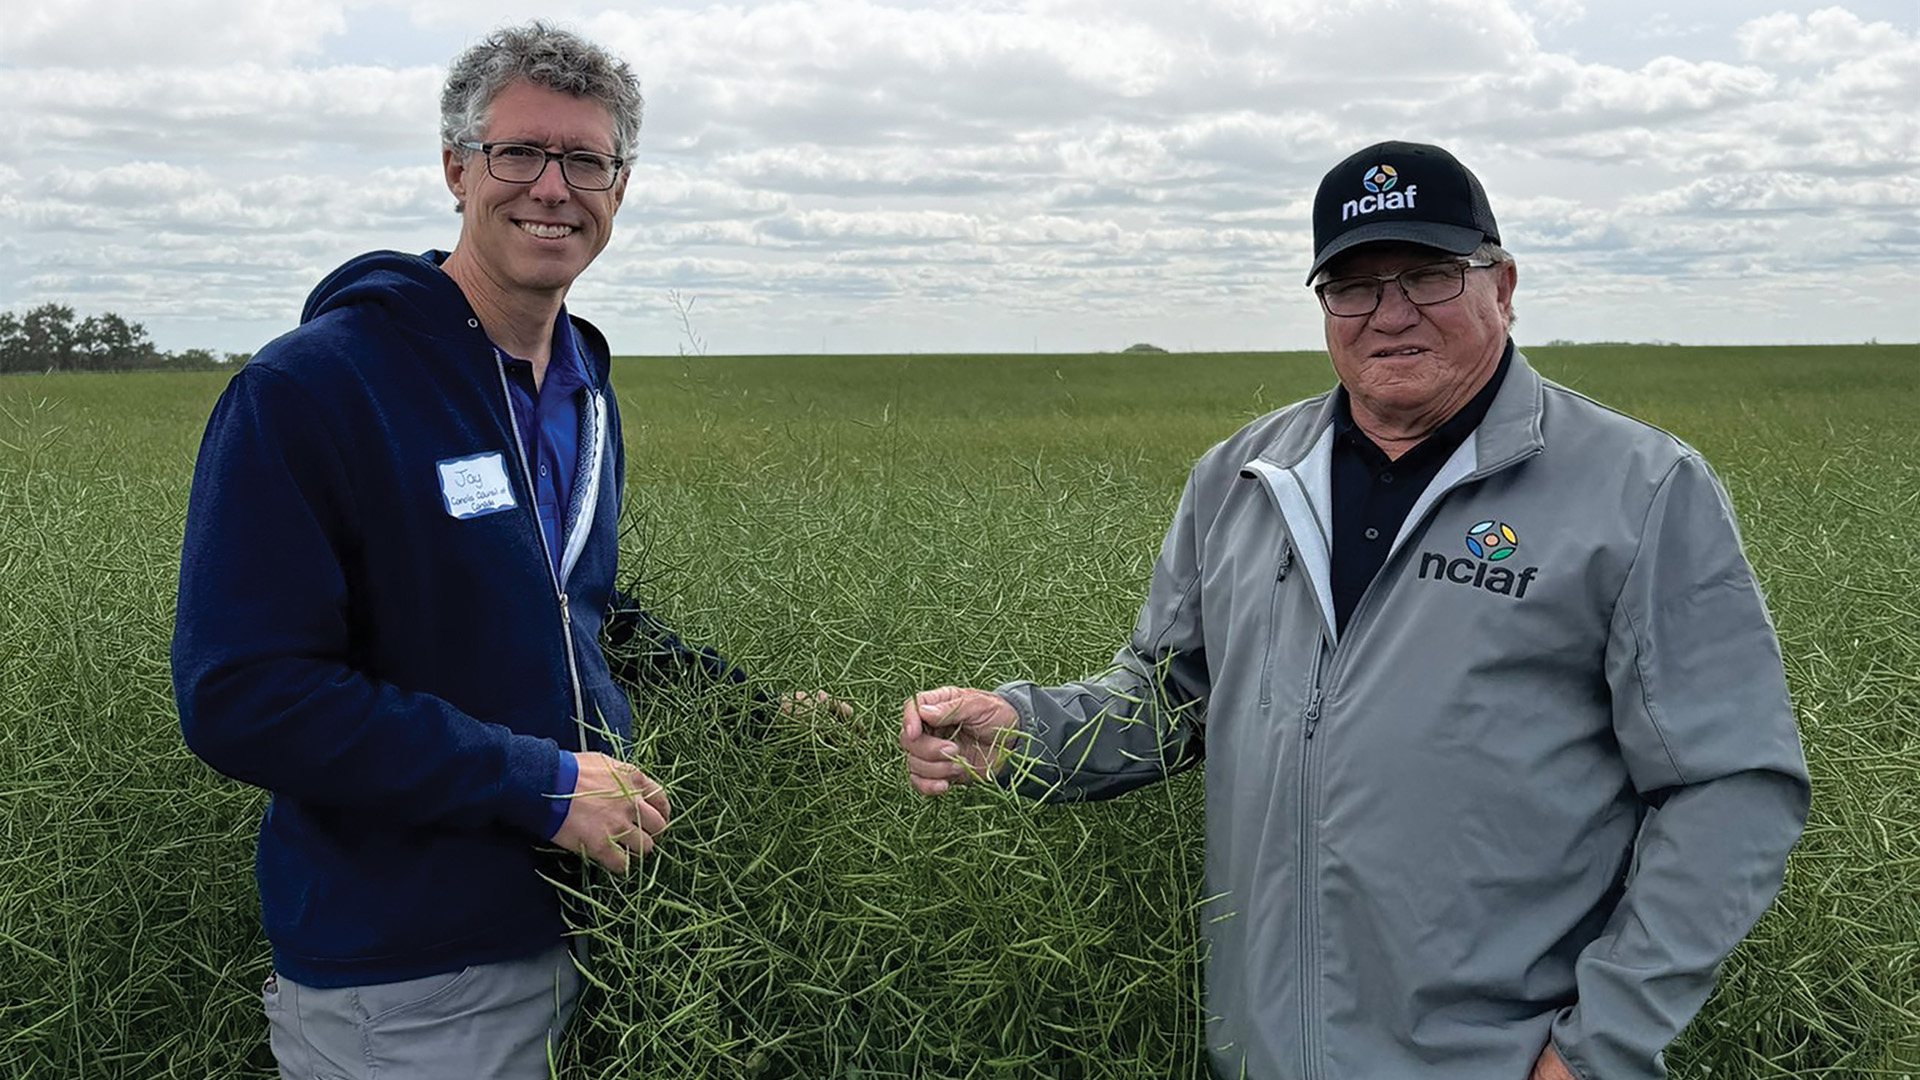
[
  {"x": 1372, "y": 494},
  {"x": 548, "y": 419}
]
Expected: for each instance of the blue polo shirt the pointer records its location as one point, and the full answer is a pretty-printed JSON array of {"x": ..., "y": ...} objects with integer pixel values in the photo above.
[{"x": 548, "y": 420}]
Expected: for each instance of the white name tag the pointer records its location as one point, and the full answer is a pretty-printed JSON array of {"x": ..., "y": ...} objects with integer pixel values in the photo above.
[{"x": 476, "y": 485}]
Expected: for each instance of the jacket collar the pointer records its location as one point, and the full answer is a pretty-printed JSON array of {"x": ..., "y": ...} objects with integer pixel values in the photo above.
[{"x": 1511, "y": 430}]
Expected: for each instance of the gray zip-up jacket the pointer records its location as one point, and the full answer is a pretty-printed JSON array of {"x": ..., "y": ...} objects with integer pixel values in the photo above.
[{"x": 1539, "y": 789}]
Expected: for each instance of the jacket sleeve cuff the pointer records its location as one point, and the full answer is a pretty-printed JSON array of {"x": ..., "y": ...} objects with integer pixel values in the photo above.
[
  {"x": 1026, "y": 767},
  {"x": 566, "y": 773},
  {"x": 526, "y": 795}
]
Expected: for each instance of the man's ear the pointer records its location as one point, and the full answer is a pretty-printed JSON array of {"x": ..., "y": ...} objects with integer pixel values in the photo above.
[
  {"x": 620, "y": 187},
  {"x": 454, "y": 164}
]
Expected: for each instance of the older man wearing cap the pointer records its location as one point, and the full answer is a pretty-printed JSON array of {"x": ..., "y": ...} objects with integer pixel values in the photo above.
[{"x": 1499, "y": 760}]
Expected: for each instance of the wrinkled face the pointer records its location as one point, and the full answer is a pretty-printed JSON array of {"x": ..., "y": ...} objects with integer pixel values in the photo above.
[
  {"x": 1407, "y": 360},
  {"x": 535, "y": 237}
]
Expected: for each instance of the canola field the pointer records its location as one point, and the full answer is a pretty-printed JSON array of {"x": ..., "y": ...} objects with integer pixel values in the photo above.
[{"x": 872, "y": 526}]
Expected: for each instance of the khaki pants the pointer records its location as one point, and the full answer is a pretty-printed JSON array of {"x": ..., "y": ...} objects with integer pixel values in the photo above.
[{"x": 491, "y": 1022}]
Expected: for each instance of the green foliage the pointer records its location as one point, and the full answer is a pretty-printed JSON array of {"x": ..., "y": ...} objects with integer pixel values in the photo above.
[
  {"x": 874, "y": 526},
  {"x": 128, "y": 927},
  {"x": 46, "y": 339}
]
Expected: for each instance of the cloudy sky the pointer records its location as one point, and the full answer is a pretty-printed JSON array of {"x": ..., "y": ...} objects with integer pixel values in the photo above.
[{"x": 1001, "y": 175}]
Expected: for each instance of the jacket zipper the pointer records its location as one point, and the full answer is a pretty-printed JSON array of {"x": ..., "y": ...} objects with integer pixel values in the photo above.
[
  {"x": 1273, "y": 616},
  {"x": 559, "y": 587},
  {"x": 1310, "y": 1041},
  {"x": 1325, "y": 663},
  {"x": 1309, "y": 879}
]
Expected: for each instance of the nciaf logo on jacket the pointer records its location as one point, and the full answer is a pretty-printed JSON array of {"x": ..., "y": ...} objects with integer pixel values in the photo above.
[
  {"x": 1492, "y": 540},
  {"x": 1490, "y": 543}
]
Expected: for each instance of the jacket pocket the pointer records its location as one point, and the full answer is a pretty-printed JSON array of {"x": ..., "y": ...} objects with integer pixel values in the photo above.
[{"x": 1282, "y": 566}]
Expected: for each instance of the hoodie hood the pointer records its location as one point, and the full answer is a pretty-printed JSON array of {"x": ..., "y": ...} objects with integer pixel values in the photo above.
[
  {"x": 413, "y": 292},
  {"x": 411, "y": 287}
]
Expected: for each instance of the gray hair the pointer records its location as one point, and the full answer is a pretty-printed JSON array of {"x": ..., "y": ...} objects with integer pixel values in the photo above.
[
  {"x": 545, "y": 56},
  {"x": 1491, "y": 252}
]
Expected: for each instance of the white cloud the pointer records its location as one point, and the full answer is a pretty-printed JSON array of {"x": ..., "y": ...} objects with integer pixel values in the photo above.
[
  {"x": 1554, "y": 14},
  {"x": 1825, "y": 35},
  {"x": 110, "y": 34},
  {"x": 137, "y": 181},
  {"x": 1662, "y": 26},
  {"x": 241, "y": 110},
  {"x": 1783, "y": 193},
  {"x": 976, "y": 173},
  {"x": 156, "y": 195},
  {"x": 884, "y": 226},
  {"x": 656, "y": 194},
  {"x": 1557, "y": 97}
]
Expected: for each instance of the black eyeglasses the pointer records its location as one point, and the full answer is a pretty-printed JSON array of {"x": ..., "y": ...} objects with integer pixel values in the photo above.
[
  {"x": 520, "y": 163},
  {"x": 1433, "y": 283}
]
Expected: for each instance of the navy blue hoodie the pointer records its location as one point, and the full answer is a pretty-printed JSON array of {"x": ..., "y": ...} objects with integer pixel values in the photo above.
[{"x": 398, "y": 666}]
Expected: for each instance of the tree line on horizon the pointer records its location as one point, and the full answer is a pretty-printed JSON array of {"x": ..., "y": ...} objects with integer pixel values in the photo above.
[{"x": 48, "y": 338}]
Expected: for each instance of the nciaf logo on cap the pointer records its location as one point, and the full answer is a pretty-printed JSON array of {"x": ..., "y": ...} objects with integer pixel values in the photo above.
[{"x": 1380, "y": 182}]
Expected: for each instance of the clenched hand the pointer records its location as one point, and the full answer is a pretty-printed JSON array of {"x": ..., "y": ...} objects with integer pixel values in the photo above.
[
  {"x": 954, "y": 735},
  {"x": 614, "y": 814}
]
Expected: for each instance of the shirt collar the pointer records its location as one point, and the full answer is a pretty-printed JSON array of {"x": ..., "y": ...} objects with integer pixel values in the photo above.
[
  {"x": 566, "y": 371},
  {"x": 564, "y": 368}
]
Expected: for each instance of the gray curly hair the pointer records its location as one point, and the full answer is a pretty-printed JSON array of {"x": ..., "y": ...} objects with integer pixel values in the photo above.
[{"x": 545, "y": 56}]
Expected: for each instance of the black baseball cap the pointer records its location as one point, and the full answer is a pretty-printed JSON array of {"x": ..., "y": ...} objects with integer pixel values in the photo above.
[{"x": 1400, "y": 191}]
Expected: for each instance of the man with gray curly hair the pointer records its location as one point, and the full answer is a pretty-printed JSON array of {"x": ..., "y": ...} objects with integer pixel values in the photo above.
[{"x": 399, "y": 552}]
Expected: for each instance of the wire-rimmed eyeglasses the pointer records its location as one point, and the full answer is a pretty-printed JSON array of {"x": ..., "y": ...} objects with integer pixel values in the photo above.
[{"x": 1425, "y": 285}]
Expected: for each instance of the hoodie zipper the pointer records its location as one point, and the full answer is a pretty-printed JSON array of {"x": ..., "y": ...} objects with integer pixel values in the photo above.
[{"x": 559, "y": 587}]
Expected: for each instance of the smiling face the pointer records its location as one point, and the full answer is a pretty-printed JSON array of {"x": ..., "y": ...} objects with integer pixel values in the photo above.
[
  {"x": 1407, "y": 368},
  {"x": 534, "y": 238}
]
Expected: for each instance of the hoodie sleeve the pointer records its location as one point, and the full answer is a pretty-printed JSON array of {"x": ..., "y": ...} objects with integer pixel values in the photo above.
[
  {"x": 262, "y": 658},
  {"x": 1141, "y": 720},
  {"x": 1701, "y": 713}
]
